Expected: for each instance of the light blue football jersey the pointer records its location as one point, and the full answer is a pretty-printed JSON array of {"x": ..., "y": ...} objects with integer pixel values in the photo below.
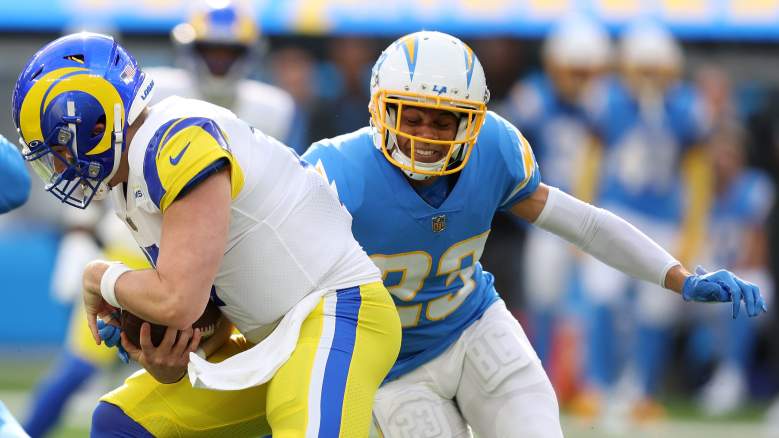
[
  {"x": 561, "y": 133},
  {"x": 429, "y": 257},
  {"x": 745, "y": 204},
  {"x": 645, "y": 146}
]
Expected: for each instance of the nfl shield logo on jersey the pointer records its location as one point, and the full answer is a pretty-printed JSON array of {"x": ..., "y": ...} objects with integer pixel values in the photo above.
[{"x": 439, "y": 223}]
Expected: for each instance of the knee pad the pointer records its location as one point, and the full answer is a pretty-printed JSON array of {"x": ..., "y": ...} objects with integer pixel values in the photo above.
[{"x": 498, "y": 348}]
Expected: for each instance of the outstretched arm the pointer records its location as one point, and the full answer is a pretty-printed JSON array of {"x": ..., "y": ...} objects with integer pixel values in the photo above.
[{"x": 619, "y": 244}]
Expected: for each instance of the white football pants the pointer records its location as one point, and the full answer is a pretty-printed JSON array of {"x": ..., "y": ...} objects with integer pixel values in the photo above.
[{"x": 490, "y": 379}]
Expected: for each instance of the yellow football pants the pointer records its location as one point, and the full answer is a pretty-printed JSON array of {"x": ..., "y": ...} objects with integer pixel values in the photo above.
[{"x": 325, "y": 389}]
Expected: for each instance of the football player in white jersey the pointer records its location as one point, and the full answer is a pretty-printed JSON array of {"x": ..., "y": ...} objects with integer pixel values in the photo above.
[
  {"x": 224, "y": 213},
  {"x": 215, "y": 30},
  {"x": 217, "y": 48}
]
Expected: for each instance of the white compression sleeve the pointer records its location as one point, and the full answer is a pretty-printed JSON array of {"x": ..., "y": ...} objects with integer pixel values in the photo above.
[{"x": 605, "y": 236}]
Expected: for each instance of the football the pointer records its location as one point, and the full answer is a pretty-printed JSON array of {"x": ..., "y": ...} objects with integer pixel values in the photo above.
[{"x": 208, "y": 322}]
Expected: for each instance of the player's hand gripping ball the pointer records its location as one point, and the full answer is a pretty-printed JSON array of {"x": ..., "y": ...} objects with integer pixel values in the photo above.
[{"x": 208, "y": 322}]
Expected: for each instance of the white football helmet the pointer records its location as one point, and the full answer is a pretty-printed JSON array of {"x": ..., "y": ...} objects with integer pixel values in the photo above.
[
  {"x": 428, "y": 70},
  {"x": 580, "y": 42},
  {"x": 576, "y": 52},
  {"x": 650, "y": 59}
]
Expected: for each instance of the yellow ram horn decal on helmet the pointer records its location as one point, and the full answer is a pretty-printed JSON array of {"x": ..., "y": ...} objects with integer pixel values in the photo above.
[
  {"x": 61, "y": 81},
  {"x": 30, "y": 113},
  {"x": 103, "y": 92}
]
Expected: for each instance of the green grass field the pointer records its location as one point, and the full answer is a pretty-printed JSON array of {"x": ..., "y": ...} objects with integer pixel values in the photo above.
[{"x": 18, "y": 378}]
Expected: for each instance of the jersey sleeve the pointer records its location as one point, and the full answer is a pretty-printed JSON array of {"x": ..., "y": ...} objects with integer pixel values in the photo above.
[
  {"x": 522, "y": 175},
  {"x": 184, "y": 152},
  {"x": 14, "y": 177}
]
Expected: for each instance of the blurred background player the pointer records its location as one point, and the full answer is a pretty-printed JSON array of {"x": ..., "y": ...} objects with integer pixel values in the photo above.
[
  {"x": 217, "y": 49},
  {"x": 292, "y": 68},
  {"x": 741, "y": 199},
  {"x": 14, "y": 179},
  {"x": 550, "y": 109},
  {"x": 344, "y": 85},
  {"x": 90, "y": 234},
  {"x": 650, "y": 122}
]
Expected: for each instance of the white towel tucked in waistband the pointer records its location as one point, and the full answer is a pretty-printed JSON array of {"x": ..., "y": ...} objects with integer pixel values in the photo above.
[{"x": 258, "y": 364}]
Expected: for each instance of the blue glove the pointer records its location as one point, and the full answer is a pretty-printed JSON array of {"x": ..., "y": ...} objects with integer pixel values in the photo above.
[
  {"x": 723, "y": 286},
  {"x": 110, "y": 334}
]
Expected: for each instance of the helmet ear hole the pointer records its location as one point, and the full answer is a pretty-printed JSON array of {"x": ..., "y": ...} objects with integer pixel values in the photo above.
[{"x": 99, "y": 127}]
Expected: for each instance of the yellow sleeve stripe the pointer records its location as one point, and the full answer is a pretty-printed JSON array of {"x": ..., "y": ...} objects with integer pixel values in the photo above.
[
  {"x": 527, "y": 157},
  {"x": 528, "y": 165},
  {"x": 185, "y": 155}
]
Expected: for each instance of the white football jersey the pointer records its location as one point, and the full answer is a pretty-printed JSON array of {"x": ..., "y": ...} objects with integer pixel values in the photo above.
[
  {"x": 269, "y": 109},
  {"x": 289, "y": 235}
]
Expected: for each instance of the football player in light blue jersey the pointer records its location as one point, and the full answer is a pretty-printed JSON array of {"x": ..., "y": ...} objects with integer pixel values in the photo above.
[
  {"x": 551, "y": 110},
  {"x": 13, "y": 177},
  {"x": 422, "y": 184},
  {"x": 650, "y": 123},
  {"x": 741, "y": 199}
]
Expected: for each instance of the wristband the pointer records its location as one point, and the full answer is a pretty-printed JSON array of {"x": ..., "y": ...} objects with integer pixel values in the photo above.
[{"x": 108, "y": 282}]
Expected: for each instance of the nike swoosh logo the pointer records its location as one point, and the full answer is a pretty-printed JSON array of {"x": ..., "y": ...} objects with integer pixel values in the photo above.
[{"x": 175, "y": 160}]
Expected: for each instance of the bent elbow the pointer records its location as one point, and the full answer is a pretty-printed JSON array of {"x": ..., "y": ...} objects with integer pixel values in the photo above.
[{"x": 182, "y": 311}]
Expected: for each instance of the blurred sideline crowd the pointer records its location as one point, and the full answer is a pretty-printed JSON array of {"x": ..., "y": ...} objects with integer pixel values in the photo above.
[{"x": 617, "y": 120}]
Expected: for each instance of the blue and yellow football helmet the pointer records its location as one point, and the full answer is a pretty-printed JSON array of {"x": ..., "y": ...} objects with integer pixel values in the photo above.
[
  {"x": 218, "y": 43},
  {"x": 72, "y": 105}
]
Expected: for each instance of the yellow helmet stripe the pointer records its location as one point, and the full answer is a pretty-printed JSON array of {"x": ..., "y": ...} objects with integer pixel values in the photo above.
[
  {"x": 100, "y": 89},
  {"x": 410, "y": 44},
  {"x": 32, "y": 106},
  {"x": 468, "y": 64},
  {"x": 246, "y": 30},
  {"x": 200, "y": 24}
]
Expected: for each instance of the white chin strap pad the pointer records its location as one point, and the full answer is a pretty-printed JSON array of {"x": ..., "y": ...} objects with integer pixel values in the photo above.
[{"x": 606, "y": 237}]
